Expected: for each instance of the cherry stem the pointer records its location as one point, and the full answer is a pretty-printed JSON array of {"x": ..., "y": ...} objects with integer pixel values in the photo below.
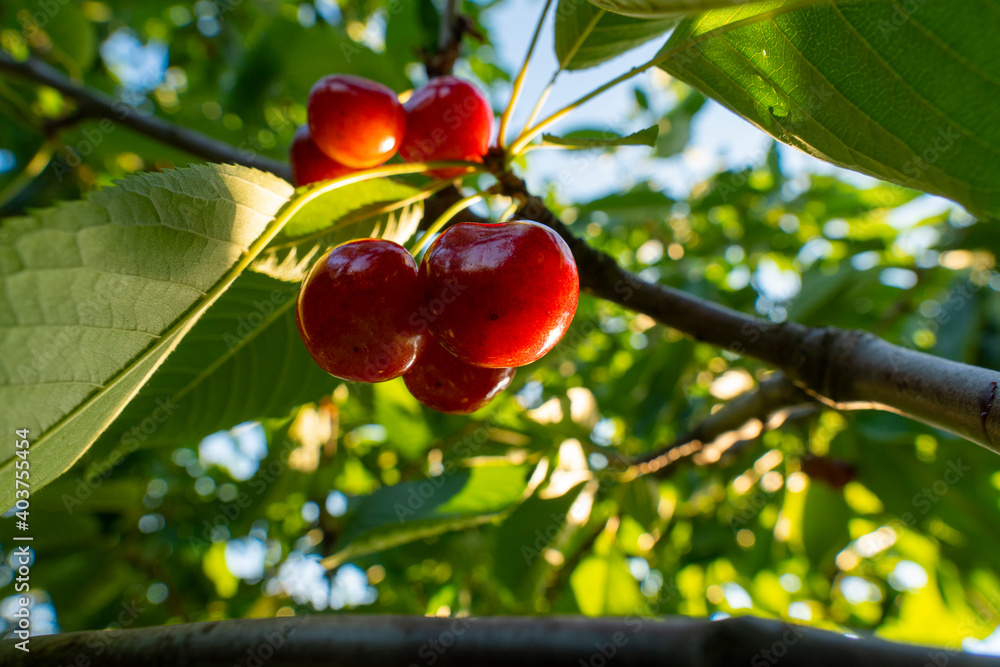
[
  {"x": 526, "y": 137},
  {"x": 567, "y": 59},
  {"x": 528, "y": 134},
  {"x": 521, "y": 76},
  {"x": 443, "y": 219},
  {"x": 508, "y": 212}
]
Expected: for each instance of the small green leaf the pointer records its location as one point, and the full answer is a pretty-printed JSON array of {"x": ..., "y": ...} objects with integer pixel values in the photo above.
[
  {"x": 602, "y": 139},
  {"x": 604, "y": 586},
  {"x": 587, "y": 36},
  {"x": 379, "y": 208},
  {"x": 675, "y": 127},
  {"x": 402, "y": 513}
]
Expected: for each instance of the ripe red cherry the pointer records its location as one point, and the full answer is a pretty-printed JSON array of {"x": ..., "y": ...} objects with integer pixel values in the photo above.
[
  {"x": 499, "y": 295},
  {"x": 355, "y": 121},
  {"x": 355, "y": 307},
  {"x": 309, "y": 163},
  {"x": 447, "y": 119},
  {"x": 445, "y": 383}
]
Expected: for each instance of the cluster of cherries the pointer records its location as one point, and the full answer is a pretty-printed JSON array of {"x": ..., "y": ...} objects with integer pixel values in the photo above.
[
  {"x": 355, "y": 123},
  {"x": 485, "y": 299}
]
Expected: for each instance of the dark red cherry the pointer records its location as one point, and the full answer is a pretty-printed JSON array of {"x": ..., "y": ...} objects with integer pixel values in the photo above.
[
  {"x": 445, "y": 383},
  {"x": 499, "y": 295},
  {"x": 309, "y": 163},
  {"x": 357, "y": 311},
  {"x": 447, "y": 119},
  {"x": 355, "y": 121}
]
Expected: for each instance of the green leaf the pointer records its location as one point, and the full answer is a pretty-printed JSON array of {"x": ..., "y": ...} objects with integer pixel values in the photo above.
[
  {"x": 639, "y": 203},
  {"x": 242, "y": 361},
  {"x": 675, "y": 127},
  {"x": 587, "y": 36},
  {"x": 660, "y": 8},
  {"x": 523, "y": 537},
  {"x": 96, "y": 294},
  {"x": 403, "y": 418},
  {"x": 380, "y": 208},
  {"x": 604, "y": 586},
  {"x": 603, "y": 139},
  {"x": 402, "y": 513},
  {"x": 282, "y": 59},
  {"x": 901, "y": 96},
  {"x": 824, "y": 521},
  {"x": 73, "y": 35},
  {"x": 71, "y": 38}
]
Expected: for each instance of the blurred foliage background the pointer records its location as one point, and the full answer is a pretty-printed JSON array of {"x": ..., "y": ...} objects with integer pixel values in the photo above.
[{"x": 841, "y": 520}]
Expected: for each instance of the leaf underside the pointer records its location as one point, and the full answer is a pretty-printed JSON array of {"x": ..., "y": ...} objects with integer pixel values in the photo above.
[
  {"x": 96, "y": 293},
  {"x": 864, "y": 85}
]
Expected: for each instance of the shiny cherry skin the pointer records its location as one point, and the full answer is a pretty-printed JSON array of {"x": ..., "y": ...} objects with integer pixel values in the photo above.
[
  {"x": 499, "y": 295},
  {"x": 445, "y": 383},
  {"x": 355, "y": 121},
  {"x": 447, "y": 119},
  {"x": 309, "y": 163},
  {"x": 355, "y": 309}
]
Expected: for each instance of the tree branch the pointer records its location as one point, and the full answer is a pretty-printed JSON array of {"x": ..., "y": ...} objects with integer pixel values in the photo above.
[
  {"x": 446, "y": 32},
  {"x": 838, "y": 367},
  {"x": 389, "y": 641},
  {"x": 454, "y": 25},
  {"x": 94, "y": 104},
  {"x": 740, "y": 420},
  {"x": 841, "y": 368}
]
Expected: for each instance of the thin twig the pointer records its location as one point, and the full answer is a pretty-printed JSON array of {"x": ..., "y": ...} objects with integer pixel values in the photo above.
[
  {"x": 95, "y": 104},
  {"x": 842, "y": 369},
  {"x": 743, "y": 419},
  {"x": 521, "y": 77}
]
